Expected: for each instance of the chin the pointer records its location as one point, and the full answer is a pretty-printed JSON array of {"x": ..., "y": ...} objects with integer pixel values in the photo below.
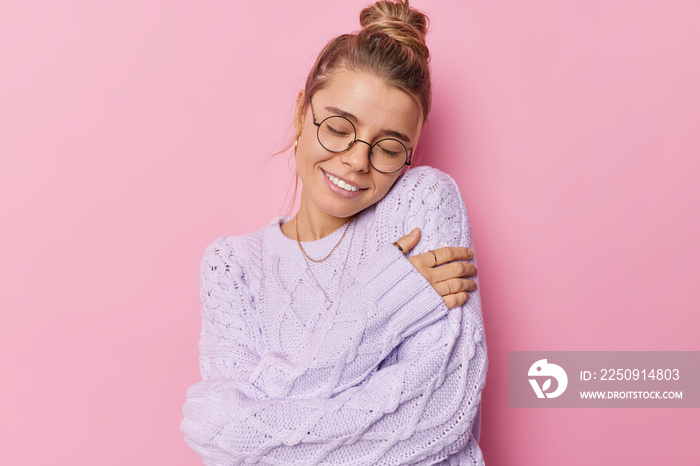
[
  {"x": 343, "y": 212},
  {"x": 344, "y": 209}
]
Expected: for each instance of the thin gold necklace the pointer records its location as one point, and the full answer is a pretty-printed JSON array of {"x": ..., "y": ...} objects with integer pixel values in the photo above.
[
  {"x": 296, "y": 228},
  {"x": 340, "y": 279}
]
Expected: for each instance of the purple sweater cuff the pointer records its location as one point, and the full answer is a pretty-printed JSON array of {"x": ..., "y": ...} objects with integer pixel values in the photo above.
[{"x": 401, "y": 296}]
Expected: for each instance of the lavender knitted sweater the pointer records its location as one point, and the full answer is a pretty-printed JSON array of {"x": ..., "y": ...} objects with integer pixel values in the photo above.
[{"x": 387, "y": 375}]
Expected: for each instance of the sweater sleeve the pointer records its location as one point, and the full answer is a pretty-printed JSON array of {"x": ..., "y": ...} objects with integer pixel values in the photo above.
[
  {"x": 388, "y": 302},
  {"x": 227, "y": 348},
  {"x": 469, "y": 360},
  {"x": 422, "y": 405},
  {"x": 225, "y": 345}
]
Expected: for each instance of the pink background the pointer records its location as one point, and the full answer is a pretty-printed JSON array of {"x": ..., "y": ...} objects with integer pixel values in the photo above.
[{"x": 133, "y": 133}]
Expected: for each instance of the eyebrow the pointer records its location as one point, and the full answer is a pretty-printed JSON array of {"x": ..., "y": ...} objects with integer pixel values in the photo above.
[{"x": 354, "y": 119}]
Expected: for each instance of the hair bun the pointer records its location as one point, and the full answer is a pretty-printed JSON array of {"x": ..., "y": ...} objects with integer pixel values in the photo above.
[{"x": 399, "y": 21}]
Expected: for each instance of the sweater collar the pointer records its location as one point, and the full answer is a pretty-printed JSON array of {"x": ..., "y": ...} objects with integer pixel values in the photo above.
[{"x": 317, "y": 248}]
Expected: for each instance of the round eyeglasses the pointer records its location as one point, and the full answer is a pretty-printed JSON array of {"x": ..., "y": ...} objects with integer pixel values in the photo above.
[{"x": 338, "y": 134}]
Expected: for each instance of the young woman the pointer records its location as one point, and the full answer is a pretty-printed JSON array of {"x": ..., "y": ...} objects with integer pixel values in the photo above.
[{"x": 351, "y": 333}]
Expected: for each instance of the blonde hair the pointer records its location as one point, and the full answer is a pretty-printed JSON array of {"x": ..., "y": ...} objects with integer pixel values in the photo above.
[{"x": 390, "y": 45}]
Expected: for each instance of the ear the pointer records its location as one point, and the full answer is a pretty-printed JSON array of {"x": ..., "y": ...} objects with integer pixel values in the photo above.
[
  {"x": 299, "y": 113},
  {"x": 413, "y": 154},
  {"x": 415, "y": 146}
]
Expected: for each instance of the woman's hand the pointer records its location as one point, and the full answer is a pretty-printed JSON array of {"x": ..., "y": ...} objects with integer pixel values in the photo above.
[{"x": 441, "y": 269}]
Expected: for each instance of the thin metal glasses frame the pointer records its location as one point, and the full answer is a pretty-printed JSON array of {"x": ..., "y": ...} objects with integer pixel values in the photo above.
[{"x": 409, "y": 152}]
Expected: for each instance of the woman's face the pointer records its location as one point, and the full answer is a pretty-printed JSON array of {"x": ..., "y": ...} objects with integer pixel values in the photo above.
[{"x": 376, "y": 109}]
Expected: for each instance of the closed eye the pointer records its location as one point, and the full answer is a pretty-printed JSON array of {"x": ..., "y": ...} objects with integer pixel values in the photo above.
[{"x": 335, "y": 131}]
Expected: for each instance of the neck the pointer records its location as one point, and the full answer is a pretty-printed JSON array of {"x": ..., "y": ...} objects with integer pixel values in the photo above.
[
  {"x": 312, "y": 227},
  {"x": 313, "y": 224}
]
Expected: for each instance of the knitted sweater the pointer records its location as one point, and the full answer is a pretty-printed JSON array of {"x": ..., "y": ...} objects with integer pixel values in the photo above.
[{"x": 386, "y": 375}]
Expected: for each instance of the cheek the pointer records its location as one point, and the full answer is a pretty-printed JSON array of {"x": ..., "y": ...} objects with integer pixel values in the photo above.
[
  {"x": 384, "y": 186},
  {"x": 306, "y": 156}
]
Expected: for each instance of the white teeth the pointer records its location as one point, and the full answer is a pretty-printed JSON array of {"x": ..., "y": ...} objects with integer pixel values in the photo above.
[{"x": 341, "y": 183}]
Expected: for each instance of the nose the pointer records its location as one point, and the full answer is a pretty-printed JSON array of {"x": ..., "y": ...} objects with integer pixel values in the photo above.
[{"x": 357, "y": 157}]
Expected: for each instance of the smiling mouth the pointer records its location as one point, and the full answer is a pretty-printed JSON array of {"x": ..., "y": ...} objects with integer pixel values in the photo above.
[{"x": 340, "y": 183}]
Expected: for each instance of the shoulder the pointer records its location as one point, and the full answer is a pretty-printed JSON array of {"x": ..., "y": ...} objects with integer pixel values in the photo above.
[
  {"x": 431, "y": 200},
  {"x": 423, "y": 188},
  {"x": 425, "y": 191},
  {"x": 231, "y": 254},
  {"x": 423, "y": 197},
  {"x": 226, "y": 248},
  {"x": 417, "y": 176}
]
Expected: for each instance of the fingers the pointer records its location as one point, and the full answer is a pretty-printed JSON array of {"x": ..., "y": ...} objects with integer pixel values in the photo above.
[
  {"x": 450, "y": 254},
  {"x": 443, "y": 269},
  {"x": 454, "y": 286},
  {"x": 455, "y": 300},
  {"x": 409, "y": 241},
  {"x": 452, "y": 270},
  {"x": 447, "y": 282},
  {"x": 441, "y": 256}
]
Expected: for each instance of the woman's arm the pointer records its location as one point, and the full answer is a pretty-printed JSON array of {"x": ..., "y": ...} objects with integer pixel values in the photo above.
[
  {"x": 384, "y": 305},
  {"x": 428, "y": 400},
  {"x": 439, "y": 233},
  {"x": 227, "y": 348},
  {"x": 402, "y": 402}
]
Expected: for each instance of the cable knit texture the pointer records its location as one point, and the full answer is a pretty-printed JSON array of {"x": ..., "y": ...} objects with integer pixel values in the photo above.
[{"x": 387, "y": 375}]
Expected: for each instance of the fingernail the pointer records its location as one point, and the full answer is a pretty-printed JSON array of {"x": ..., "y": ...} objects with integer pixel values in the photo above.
[
  {"x": 414, "y": 232},
  {"x": 470, "y": 252}
]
